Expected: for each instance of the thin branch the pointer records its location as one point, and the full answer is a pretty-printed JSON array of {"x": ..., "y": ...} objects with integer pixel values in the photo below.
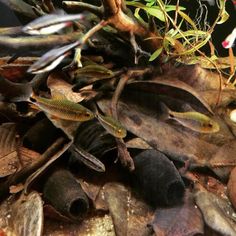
[
  {"x": 123, "y": 153},
  {"x": 75, "y": 6},
  {"x": 37, "y": 43},
  {"x": 10, "y": 30}
]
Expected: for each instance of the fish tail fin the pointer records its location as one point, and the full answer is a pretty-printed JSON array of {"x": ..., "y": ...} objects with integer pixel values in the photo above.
[{"x": 163, "y": 112}]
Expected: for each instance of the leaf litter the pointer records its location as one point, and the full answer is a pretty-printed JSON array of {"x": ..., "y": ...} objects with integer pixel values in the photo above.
[{"x": 127, "y": 169}]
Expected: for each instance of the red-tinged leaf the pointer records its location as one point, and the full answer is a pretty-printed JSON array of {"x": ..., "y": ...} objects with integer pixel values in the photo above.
[
  {"x": 16, "y": 70},
  {"x": 184, "y": 220}
]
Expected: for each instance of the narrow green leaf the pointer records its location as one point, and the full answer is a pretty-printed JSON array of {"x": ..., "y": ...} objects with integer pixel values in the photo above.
[
  {"x": 155, "y": 54},
  {"x": 188, "y": 19}
]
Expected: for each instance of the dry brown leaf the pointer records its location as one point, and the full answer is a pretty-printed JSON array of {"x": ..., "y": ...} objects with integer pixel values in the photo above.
[
  {"x": 58, "y": 85},
  {"x": 197, "y": 77},
  {"x": 9, "y": 144}
]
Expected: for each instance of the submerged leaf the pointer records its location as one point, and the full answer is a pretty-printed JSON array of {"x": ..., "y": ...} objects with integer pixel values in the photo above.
[
  {"x": 223, "y": 160},
  {"x": 27, "y": 209},
  {"x": 183, "y": 220},
  {"x": 116, "y": 196},
  {"x": 58, "y": 85},
  {"x": 9, "y": 144},
  {"x": 171, "y": 87},
  {"x": 231, "y": 187},
  {"x": 177, "y": 144},
  {"x": 217, "y": 212}
]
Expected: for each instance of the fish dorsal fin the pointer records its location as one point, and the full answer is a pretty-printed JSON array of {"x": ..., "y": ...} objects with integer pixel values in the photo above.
[{"x": 57, "y": 95}]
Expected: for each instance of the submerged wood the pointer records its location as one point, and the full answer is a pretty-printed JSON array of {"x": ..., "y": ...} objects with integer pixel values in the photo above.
[{"x": 36, "y": 43}]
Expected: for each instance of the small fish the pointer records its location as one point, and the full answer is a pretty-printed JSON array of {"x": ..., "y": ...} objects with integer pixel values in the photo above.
[
  {"x": 51, "y": 59},
  {"x": 111, "y": 125},
  {"x": 94, "y": 70},
  {"x": 229, "y": 41},
  {"x": 62, "y": 108},
  {"x": 191, "y": 119},
  {"x": 87, "y": 158},
  {"x": 51, "y": 23}
]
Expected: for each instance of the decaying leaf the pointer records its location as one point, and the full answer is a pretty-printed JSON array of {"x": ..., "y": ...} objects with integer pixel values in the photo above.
[
  {"x": 223, "y": 161},
  {"x": 15, "y": 71},
  {"x": 25, "y": 215},
  {"x": 9, "y": 144},
  {"x": 226, "y": 97},
  {"x": 130, "y": 215},
  {"x": 198, "y": 78},
  {"x": 220, "y": 62},
  {"x": 180, "y": 145},
  {"x": 231, "y": 187},
  {"x": 58, "y": 85},
  {"x": 137, "y": 143},
  {"x": 171, "y": 87},
  {"x": 217, "y": 212},
  {"x": 28, "y": 209},
  {"x": 183, "y": 220},
  {"x": 117, "y": 199}
]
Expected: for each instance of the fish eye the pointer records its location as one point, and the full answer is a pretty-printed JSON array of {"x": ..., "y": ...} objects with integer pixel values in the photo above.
[
  {"x": 87, "y": 114},
  {"x": 210, "y": 125},
  {"x": 32, "y": 99},
  {"x": 119, "y": 131}
]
